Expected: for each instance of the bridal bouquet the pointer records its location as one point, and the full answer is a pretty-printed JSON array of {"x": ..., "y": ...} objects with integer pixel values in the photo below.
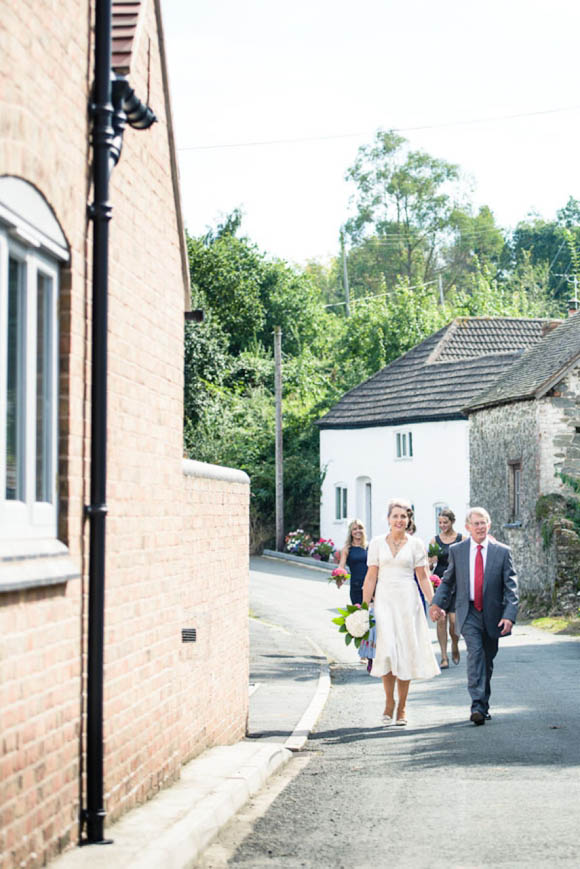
[
  {"x": 339, "y": 574},
  {"x": 355, "y": 622},
  {"x": 435, "y": 581}
]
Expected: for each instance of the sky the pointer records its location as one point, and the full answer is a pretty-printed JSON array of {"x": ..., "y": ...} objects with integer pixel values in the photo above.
[{"x": 271, "y": 101}]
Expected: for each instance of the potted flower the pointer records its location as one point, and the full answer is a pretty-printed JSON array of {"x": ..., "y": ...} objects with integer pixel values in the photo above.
[
  {"x": 298, "y": 542},
  {"x": 323, "y": 549}
]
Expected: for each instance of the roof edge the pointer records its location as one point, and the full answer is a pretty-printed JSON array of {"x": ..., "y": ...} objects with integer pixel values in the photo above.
[
  {"x": 173, "y": 158},
  {"x": 407, "y": 420}
]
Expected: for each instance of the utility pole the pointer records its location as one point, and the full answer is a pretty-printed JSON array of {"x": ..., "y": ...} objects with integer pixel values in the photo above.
[
  {"x": 279, "y": 449},
  {"x": 441, "y": 299},
  {"x": 573, "y": 304},
  {"x": 345, "y": 275}
]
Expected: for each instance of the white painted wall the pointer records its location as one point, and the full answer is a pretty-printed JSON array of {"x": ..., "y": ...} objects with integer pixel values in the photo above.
[{"x": 438, "y": 473}]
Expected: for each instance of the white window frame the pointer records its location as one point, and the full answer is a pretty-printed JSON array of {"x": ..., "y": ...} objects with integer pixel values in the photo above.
[
  {"x": 27, "y": 517},
  {"x": 340, "y": 502},
  {"x": 438, "y": 507},
  {"x": 403, "y": 445}
]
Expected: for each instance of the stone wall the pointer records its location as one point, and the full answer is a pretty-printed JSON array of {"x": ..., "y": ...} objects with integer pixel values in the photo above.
[{"x": 543, "y": 435}]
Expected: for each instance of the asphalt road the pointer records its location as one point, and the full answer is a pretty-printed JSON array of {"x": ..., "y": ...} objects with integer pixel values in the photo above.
[{"x": 439, "y": 793}]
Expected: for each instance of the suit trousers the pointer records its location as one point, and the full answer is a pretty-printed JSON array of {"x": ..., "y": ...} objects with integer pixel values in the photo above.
[{"x": 481, "y": 650}]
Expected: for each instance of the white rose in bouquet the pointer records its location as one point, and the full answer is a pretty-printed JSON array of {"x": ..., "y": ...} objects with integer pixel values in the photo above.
[{"x": 357, "y": 623}]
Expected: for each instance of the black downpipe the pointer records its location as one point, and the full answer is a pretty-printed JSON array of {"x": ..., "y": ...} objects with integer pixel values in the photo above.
[
  {"x": 94, "y": 814},
  {"x": 114, "y": 106}
]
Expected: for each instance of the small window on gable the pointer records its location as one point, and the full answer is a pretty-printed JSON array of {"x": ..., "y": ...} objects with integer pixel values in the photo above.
[
  {"x": 404, "y": 444},
  {"x": 340, "y": 502}
]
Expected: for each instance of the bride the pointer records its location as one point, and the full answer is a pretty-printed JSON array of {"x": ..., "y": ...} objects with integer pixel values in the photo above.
[{"x": 403, "y": 650}]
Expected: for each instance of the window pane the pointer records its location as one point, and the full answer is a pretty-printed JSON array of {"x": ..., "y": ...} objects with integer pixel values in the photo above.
[
  {"x": 410, "y": 443},
  {"x": 337, "y": 504},
  {"x": 398, "y": 446},
  {"x": 404, "y": 445},
  {"x": 15, "y": 395},
  {"x": 344, "y": 505},
  {"x": 43, "y": 389}
]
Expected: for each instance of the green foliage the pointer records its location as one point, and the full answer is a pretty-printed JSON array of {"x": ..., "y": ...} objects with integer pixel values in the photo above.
[
  {"x": 402, "y": 199},
  {"x": 407, "y": 231}
]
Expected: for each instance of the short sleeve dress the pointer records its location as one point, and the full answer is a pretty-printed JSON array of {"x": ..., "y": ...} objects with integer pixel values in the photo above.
[{"x": 403, "y": 641}]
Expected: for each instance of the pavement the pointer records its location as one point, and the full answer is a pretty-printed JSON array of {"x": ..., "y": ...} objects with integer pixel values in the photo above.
[{"x": 289, "y": 685}]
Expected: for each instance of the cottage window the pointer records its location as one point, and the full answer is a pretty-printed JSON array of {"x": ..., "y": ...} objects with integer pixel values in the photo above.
[
  {"x": 340, "y": 502},
  {"x": 438, "y": 506},
  {"x": 29, "y": 279},
  {"x": 515, "y": 490},
  {"x": 404, "y": 444}
]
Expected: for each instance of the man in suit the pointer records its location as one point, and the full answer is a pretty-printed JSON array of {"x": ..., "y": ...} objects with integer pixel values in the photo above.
[{"x": 482, "y": 572}]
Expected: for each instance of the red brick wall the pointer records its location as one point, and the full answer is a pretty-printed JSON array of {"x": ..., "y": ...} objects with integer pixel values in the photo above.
[{"x": 177, "y": 543}]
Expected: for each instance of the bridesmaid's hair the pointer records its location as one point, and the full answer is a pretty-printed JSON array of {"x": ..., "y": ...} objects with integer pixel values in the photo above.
[
  {"x": 448, "y": 512},
  {"x": 398, "y": 502},
  {"x": 411, "y": 527},
  {"x": 349, "y": 533}
]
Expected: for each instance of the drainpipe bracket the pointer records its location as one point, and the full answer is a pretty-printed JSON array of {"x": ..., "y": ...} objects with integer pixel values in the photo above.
[{"x": 95, "y": 510}]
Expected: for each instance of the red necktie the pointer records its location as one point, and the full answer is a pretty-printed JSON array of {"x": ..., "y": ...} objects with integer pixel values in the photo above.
[{"x": 478, "y": 585}]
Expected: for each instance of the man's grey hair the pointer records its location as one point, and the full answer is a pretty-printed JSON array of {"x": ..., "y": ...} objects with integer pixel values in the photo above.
[{"x": 481, "y": 511}]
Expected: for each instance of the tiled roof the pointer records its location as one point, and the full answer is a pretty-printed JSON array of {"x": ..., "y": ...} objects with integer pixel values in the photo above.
[
  {"x": 537, "y": 370},
  {"x": 125, "y": 19},
  {"x": 439, "y": 377}
]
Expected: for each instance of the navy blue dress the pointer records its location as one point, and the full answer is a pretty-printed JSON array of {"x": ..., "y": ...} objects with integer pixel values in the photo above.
[
  {"x": 356, "y": 561},
  {"x": 443, "y": 561}
]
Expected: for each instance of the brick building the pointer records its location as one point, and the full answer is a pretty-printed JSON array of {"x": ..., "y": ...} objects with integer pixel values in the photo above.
[
  {"x": 177, "y": 531},
  {"x": 524, "y": 429}
]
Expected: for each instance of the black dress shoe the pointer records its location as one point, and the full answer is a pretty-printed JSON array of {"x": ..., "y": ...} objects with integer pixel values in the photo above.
[
  {"x": 477, "y": 718},
  {"x": 487, "y": 716}
]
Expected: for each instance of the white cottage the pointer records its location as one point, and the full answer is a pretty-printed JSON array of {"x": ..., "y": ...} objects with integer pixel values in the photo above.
[{"x": 403, "y": 432}]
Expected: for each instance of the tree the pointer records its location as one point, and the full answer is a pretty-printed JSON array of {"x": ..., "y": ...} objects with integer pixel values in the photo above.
[
  {"x": 477, "y": 242},
  {"x": 402, "y": 199}
]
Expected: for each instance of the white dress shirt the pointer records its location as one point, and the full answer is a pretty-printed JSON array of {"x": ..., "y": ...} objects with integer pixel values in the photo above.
[{"x": 472, "y": 553}]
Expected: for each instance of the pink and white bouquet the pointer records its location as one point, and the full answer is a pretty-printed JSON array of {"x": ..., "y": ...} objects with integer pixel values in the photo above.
[
  {"x": 339, "y": 575},
  {"x": 355, "y": 622},
  {"x": 435, "y": 581}
]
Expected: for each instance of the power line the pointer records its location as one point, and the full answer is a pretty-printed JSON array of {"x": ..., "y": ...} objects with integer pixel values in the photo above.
[
  {"x": 378, "y": 295},
  {"x": 307, "y": 139}
]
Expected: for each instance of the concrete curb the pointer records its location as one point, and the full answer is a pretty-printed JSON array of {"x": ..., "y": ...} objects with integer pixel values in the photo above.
[
  {"x": 303, "y": 729},
  {"x": 302, "y": 560},
  {"x": 173, "y": 829}
]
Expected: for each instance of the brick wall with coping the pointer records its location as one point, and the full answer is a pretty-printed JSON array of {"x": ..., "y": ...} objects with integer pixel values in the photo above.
[{"x": 177, "y": 534}]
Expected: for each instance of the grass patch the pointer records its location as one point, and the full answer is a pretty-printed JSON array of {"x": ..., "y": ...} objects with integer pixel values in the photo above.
[{"x": 558, "y": 625}]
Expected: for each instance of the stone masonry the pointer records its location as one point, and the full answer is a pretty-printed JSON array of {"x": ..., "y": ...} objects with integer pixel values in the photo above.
[{"x": 544, "y": 436}]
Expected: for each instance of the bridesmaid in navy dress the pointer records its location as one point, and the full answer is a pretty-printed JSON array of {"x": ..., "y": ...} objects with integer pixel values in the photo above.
[
  {"x": 354, "y": 558},
  {"x": 447, "y": 537}
]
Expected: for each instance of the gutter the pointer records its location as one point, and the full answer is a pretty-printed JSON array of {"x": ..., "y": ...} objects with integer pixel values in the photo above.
[{"x": 114, "y": 105}]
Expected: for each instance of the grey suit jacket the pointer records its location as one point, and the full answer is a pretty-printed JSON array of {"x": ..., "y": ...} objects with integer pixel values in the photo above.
[{"x": 500, "y": 585}]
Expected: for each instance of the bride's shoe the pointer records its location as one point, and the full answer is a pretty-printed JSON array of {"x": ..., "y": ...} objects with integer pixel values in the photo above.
[
  {"x": 401, "y": 720},
  {"x": 388, "y": 719}
]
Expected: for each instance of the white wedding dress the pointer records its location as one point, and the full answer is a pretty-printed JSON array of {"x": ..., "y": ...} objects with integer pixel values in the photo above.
[{"x": 403, "y": 642}]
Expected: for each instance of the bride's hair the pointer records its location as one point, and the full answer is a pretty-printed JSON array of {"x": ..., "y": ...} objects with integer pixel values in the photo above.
[{"x": 398, "y": 502}]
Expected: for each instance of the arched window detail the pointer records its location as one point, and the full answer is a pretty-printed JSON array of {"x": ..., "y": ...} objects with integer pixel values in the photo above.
[{"x": 32, "y": 246}]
